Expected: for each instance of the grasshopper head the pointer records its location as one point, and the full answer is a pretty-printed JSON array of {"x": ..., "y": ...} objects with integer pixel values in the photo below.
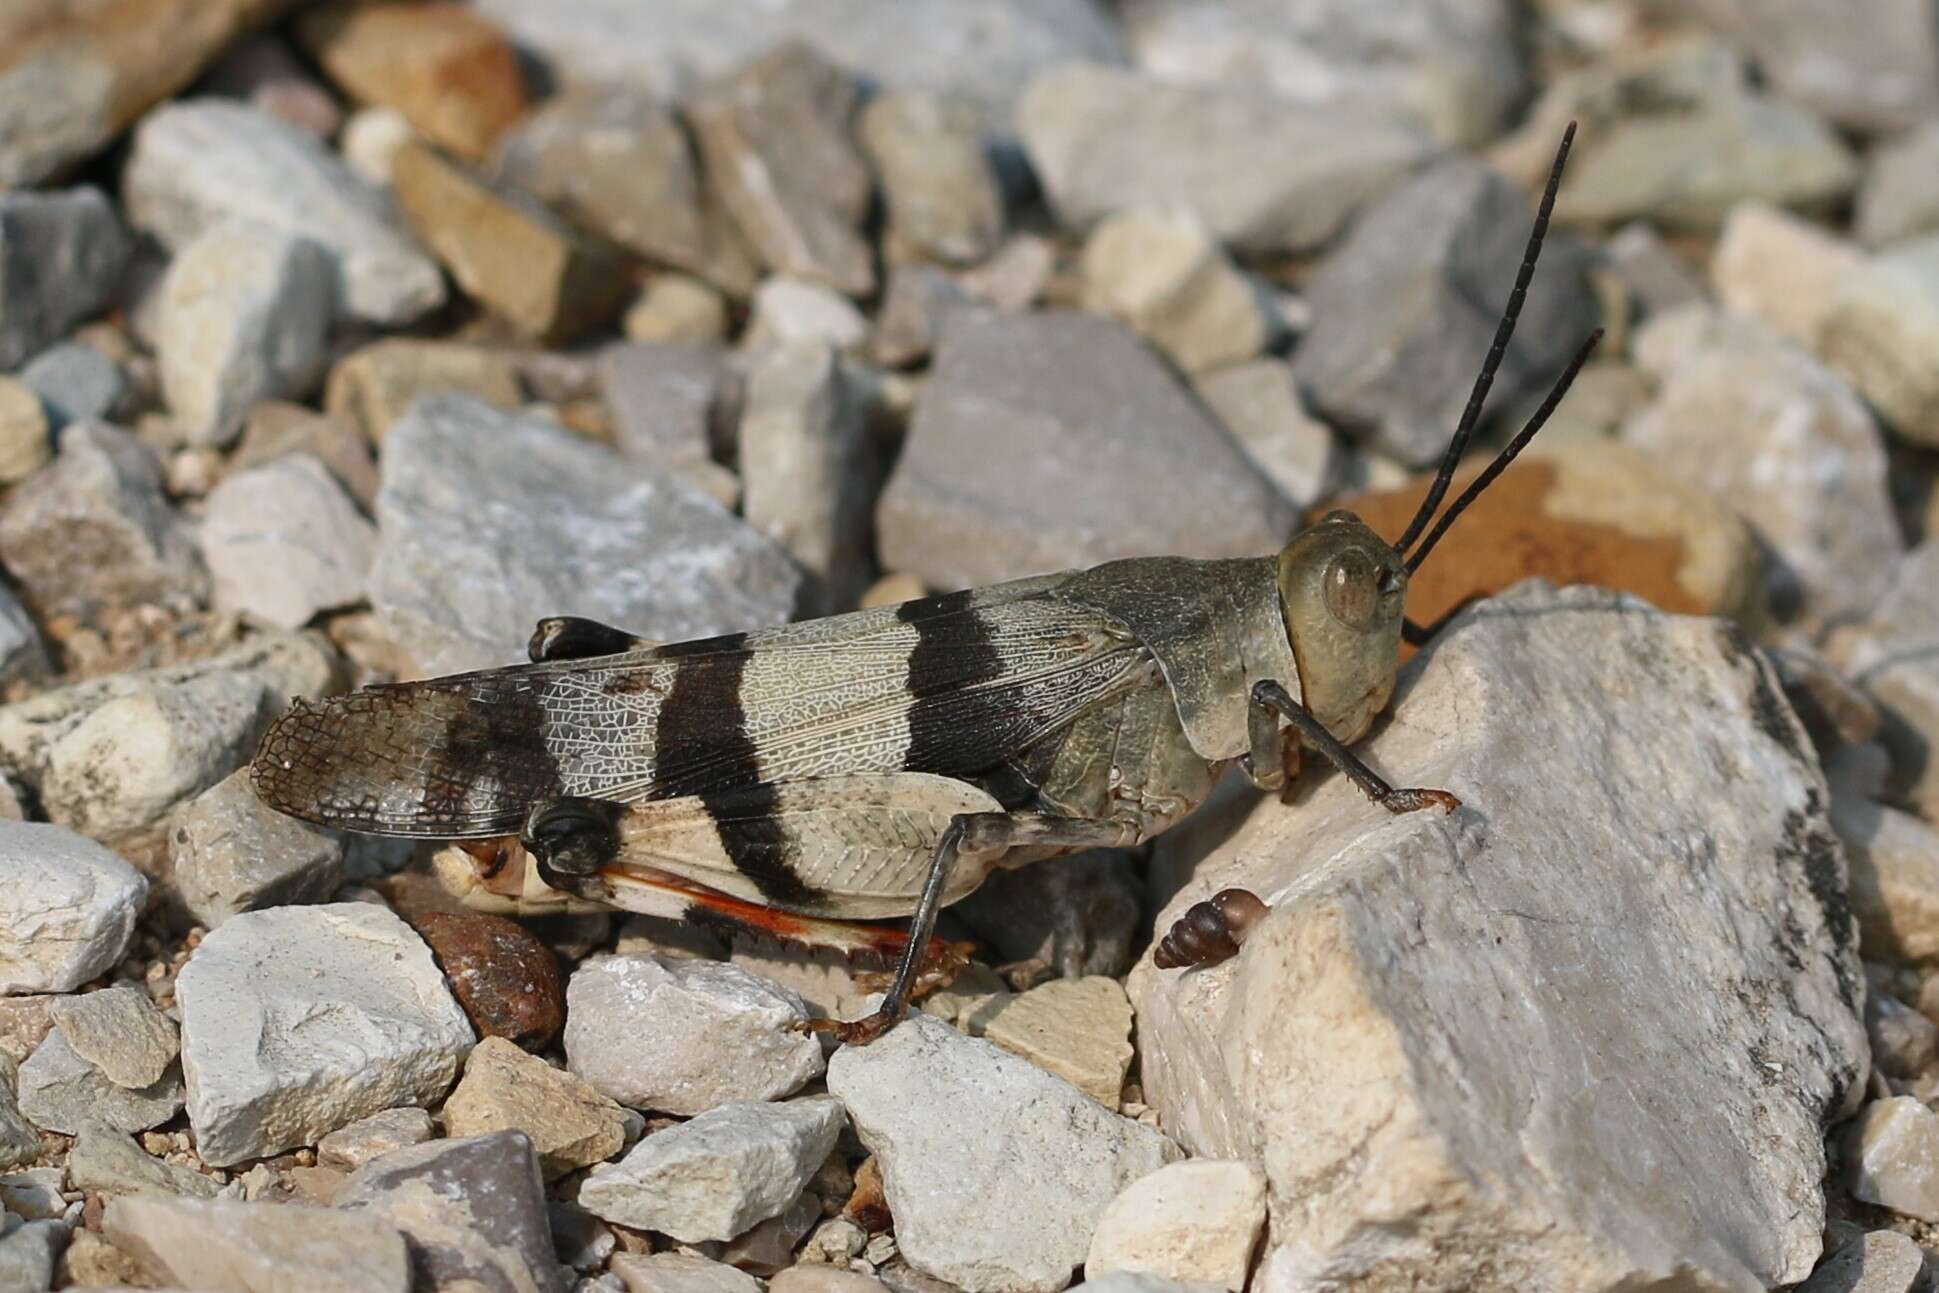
[{"x": 1343, "y": 591}]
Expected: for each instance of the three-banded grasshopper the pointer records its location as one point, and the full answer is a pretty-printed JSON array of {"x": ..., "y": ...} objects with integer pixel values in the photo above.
[{"x": 879, "y": 764}]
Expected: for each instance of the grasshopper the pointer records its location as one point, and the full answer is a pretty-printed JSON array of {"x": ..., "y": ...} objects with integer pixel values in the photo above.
[{"x": 801, "y": 779}]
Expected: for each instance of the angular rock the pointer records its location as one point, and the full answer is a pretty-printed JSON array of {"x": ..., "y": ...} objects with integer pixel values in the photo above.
[
  {"x": 680, "y": 1273},
  {"x": 452, "y": 73},
  {"x": 60, "y": 1091},
  {"x": 683, "y": 1037},
  {"x": 1262, "y": 174},
  {"x": 76, "y": 383},
  {"x": 792, "y": 311},
  {"x": 67, "y": 908},
  {"x": 1878, "y": 335},
  {"x": 61, "y": 258},
  {"x": 808, "y": 467},
  {"x": 92, "y": 531},
  {"x": 19, "y": 1140},
  {"x": 229, "y": 852},
  {"x": 1894, "y": 656},
  {"x": 199, "y": 162},
  {"x": 28, "y": 1253},
  {"x": 25, "y": 445},
  {"x": 1196, "y": 1221},
  {"x": 284, "y": 541},
  {"x": 353, "y": 1146},
  {"x": 1079, "y": 1029},
  {"x": 1790, "y": 447},
  {"x": 996, "y": 1171},
  {"x": 570, "y": 1125},
  {"x": 774, "y": 137},
  {"x": 245, "y": 315},
  {"x": 1260, "y": 404},
  {"x": 278, "y": 429},
  {"x": 119, "y": 1031},
  {"x": 674, "y": 403},
  {"x": 1788, "y": 272},
  {"x": 914, "y": 304},
  {"x": 1705, "y": 864},
  {"x": 1898, "y": 197},
  {"x": 1893, "y": 859},
  {"x": 1404, "y": 309},
  {"x": 1903, "y": 1041},
  {"x": 1893, "y": 1148},
  {"x": 107, "y": 1161},
  {"x": 593, "y": 536},
  {"x": 506, "y": 251},
  {"x": 1880, "y": 74},
  {"x": 1656, "y": 275},
  {"x": 471, "y": 1209},
  {"x": 675, "y": 307},
  {"x": 1159, "y": 271},
  {"x": 718, "y": 1175},
  {"x": 1880, "y": 1261},
  {"x": 770, "y": 1245},
  {"x": 505, "y": 977},
  {"x": 206, "y": 1243},
  {"x": 1062, "y": 387},
  {"x": 375, "y": 386},
  {"x": 944, "y": 197},
  {"x": 298, "y": 1020}
]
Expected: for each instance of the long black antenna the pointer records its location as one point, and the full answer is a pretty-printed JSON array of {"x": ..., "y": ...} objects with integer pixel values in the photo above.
[
  {"x": 1507, "y": 455},
  {"x": 1504, "y": 331}
]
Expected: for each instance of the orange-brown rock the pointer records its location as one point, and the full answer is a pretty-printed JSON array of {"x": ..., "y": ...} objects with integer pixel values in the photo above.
[{"x": 506, "y": 979}]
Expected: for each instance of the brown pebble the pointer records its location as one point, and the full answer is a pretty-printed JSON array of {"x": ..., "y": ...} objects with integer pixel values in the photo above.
[
  {"x": 868, "y": 1207},
  {"x": 506, "y": 979}
]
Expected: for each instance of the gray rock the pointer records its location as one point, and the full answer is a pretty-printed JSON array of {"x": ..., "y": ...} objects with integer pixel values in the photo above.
[
  {"x": 986, "y": 52},
  {"x": 808, "y": 467},
  {"x": 1880, "y": 1261},
  {"x": 1705, "y": 864},
  {"x": 61, "y": 258},
  {"x": 92, "y": 530},
  {"x": 1786, "y": 443},
  {"x": 1656, "y": 276},
  {"x": 1903, "y": 1041},
  {"x": 34, "y": 1193},
  {"x": 22, "y": 653},
  {"x": 1879, "y": 74},
  {"x": 1262, "y": 174},
  {"x": 284, "y": 541},
  {"x": 472, "y": 1210},
  {"x": 1453, "y": 66},
  {"x": 228, "y": 852},
  {"x": 299, "y": 1020},
  {"x": 353, "y": 1146},
  {"x": 19, "y": 1140},
  {"x": 76, "y": 383},
  {"x": 1894, "y": 656},
  {"x": 996, "y": 1171},
  {"x": 28, "y": 1254},
  {"x": 1898, "y": 197},
  {"x": 1260, "y": 404},
  {"x": 674, "y": 404},
  {"x": 209, "y": 1243},
  {"x": 67, "y": 908},
  {"x": 1159, "y": 271},
  {"x": 1120, "y": 460},
  {"x": 769, "y": 1246},
  {"x": 1404, "y": 309},
  {"x": 107, "y": 1161},
  {"x": 278, "y": 429},
  {"x": 199, "y": 162},
  {"x": 914, "y": 305},
  {"x": 1078, "y": 914},
  {"x": 244, "y": 315},
  {"x": 719, "y": 1175},
  {"x": 774, "y": 136},
  {"x": 1140, "y": 1282},
  {"x": 488, "y": 521},
  {"x": 944, "y": 197},
  {"x": 60, "y": 1091},
  {"x": 680, "y": 1273},
  {"x": 119, "y": 1031},
  {"x": 684, "y": 1037},
  {"x": 792, "y": 311},
  {"x": 1878, "y": 334}
]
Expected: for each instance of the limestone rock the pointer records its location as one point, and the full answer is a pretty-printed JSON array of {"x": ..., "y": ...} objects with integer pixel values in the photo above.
[
  {"x": 367, "y": 1138},
  {"x": 27, "y": 1255},
  {"x": 25, "y": 445},
  {"x": 376, "y": 385},
  {"x": 1878, "y": 335},
  {"x": 119, "y": 1031},
  {"x": 1876, "y": 75},
  {"x": 793, "y": 311},
  {"x": 61, "y": 258},
  {"x": 109, "y": 1162},
  {"x": 1786, "y": 271},
  {"x": 229, "y": 852},
  {"x": 1892, "y": 656},
  {"x": 680, "y": 1273},
  {"x": 67, "y": 908},
  {"x": 60, "y": 1091},
  {"x": 1260, "y": 404},
  {"x": 1196, "y": 1221},
  {"x": 504, "y": 1089},
  {"x": 1898, "y": 198},
  {"x": 944, "y": 196},
  {"x": 1160, "y": 272},
  {"x": 1894, "y": 1149},
  {"x": 1079, "y": 1029},
  {"x": 1881, "y": 1261},
  {"x": 673, "y": 402},
  {"x": 1705, "y": 866},
  {"x": 284, "y": 541},
  {"x": 676, "y": 307},
  {"x": 206, "y": 1243},
  {"x": 279, "y": 429}
]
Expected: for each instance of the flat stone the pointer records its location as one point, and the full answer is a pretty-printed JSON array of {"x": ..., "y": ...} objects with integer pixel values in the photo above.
[
  {"x": 92, "y": 531},
  {"x": 367, "y": 1138},
  {"x": 1062, "y": 388},
  {"x": 1777, "y": 422},
  {"x": 1079, "y": 1029},
  {"x": 244, "y": 315},
  {"x": 61, "y": 258},
  {"x": 996, "y": 1171},
  {"x": 34, "y": 1193},
  {"x": 28, "y": 1254},
  {"x": 1197, "y": 1221},
  {"x": 472, "y": 1210},
  {"x": 76, "y": 383},
  {"x": 677, "y": 307},
  {"x": 67, "y": 908},
  {"x": 684, "y": 1037},
  {"x": 205, "y": 1242},
  {"x": 1880, "y": 1261},
  {"x": 1894, "y": 865},
  {"x": 1878, "y": 75},
  {"x": 25, "y": 445},
  {"x": 718, "y": 1175},
  {"x": 1897, "y": 196},
  {"x": 1877, "y": 333},
  {"x": 793, "y": 311},
  {"x": 199, "y": 162},
  {"x": 19, "y": 1139},
  {"x": 107, "y": 1161},
  {"x": 944, "y": 197},
  {"x": 1705, "y": 860},
  {"x": 1892, "y": 656},
  {"x": 229, "y": 852},
  {"x": 506, "y": 251},
  {"x": 60, "y": 1091},
  {"x": 451, "y": 73},
  {"x": 674, "y": 403},
  {"x": 505, "y": 977},
  {"x": 1260, "y": 404},
  {"x": 278, "y": 429},
  {"x": 488, "y": 522},
  {"x": 1894, "y": 1154},
  {"x": 774, "y": 138},
  {"x": 284, "y": 541},
  {"x": 299, "y": 1020},
  {"x": 1405, "y": 306},
  {"x": 1161, "y": 272},
  {"x": 679, "y": 1273},
  {"x": 1262, "y": 174},
  {"x": 119, "y": 1031},
  {"x": 808, "y": 468},
  {"x": 1788, "y": 272},
  {"x": 376, "y": 385},
  {"x": 570, "y": 1125}
]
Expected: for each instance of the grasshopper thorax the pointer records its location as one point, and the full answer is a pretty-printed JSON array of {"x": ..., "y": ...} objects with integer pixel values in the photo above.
[{"x": 1343, "y": 592}]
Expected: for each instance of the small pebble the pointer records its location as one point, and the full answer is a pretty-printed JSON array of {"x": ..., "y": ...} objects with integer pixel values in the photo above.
[{"x": 503, "y": 1088}]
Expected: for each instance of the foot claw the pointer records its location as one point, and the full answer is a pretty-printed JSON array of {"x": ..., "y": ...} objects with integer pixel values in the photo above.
[
  {"x": 1413, "y": 800},
  {"x": 851, "y": 1032}
]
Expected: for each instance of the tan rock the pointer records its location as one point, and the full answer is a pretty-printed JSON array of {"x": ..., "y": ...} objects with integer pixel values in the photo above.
[
  {"x": 1079, "y": 1029},
  {"x": 1882, "y": 335},
  {"x": 1894, "y": 862},
  {"x": 205, "y": 1243},
  {"x": 1162, "y": 272},
  {"x": 24, "y": 441},
  {"x": 675, "y": 307},
  {"x": 1893, "y": 1148},
  {"x": 1782, "y": 269},
  {"x": 503, "y": 1088},
  {"x": 374, "y": 386},
  {"x": 1192, "y": 1221}
]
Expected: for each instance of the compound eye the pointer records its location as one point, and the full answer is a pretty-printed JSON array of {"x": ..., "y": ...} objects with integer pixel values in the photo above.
[{"x": 1351, "y": 587}]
